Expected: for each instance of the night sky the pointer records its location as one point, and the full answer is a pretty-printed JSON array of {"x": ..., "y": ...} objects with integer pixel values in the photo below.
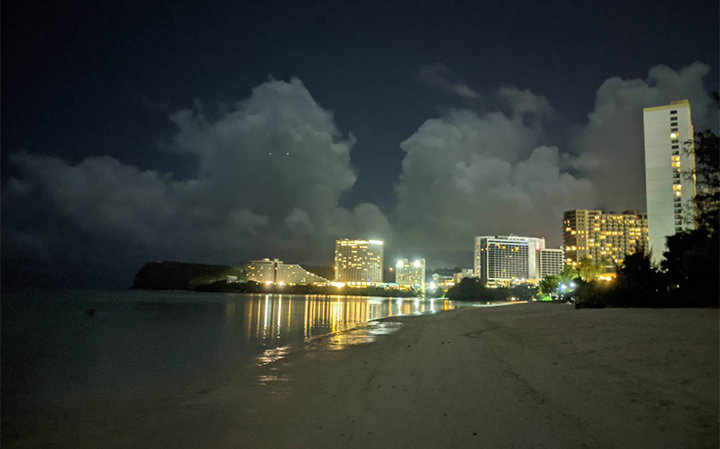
[{"x": 223, "y": 131}]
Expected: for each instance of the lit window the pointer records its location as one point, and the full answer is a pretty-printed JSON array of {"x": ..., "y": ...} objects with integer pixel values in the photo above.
[{"x": 673, "y": 135}]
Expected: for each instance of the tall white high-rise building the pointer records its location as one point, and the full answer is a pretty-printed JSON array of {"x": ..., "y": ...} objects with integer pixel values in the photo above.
[
  {"x": 359, "y": 261},
  {"x": 668, "y": 153},
  {"x": 410, "y": 273}
]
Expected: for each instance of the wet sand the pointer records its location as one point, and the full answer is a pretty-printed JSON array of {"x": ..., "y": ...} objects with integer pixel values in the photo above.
[{"x": 521, "y": 376}]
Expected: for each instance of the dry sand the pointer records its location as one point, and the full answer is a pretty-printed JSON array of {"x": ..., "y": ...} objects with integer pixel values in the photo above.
[{"x": 522, "y": 376}]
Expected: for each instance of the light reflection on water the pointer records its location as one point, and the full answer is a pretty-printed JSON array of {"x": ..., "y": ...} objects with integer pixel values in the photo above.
[{"x": 279, "y": 317}]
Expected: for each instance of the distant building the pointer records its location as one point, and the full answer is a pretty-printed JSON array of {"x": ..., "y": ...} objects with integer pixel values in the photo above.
[
  {"x": 501, "y": 260},
  {"x": 551, "y": 262},
  {"x": 669, "y": 151},
  {"x": 410, "y": 273},
  {"x": 462, "y": 274},
  {"x": 442, "y": 281},
  {"x": 274, "y": 271},
  {"x": 605, "y": 238},
  {"x": 359, "y": 261}
]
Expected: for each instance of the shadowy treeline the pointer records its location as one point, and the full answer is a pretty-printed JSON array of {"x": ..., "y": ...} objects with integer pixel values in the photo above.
[
  {"x": 181, "y": 275},
  {"x": 473, "y": 289},
  {"x": 688, "y": 277}
]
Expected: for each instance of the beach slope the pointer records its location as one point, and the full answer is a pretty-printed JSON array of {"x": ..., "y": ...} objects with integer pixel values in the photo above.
[{"x": 506, "y": 377}]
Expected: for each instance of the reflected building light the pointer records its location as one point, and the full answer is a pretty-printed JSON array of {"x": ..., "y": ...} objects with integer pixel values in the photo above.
[
  {"x": 264, "y": 319},
  {"x": 279, "y": 315}
]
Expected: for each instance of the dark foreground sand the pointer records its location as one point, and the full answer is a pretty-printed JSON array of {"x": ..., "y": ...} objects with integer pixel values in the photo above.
[{"x": 521, "y": 376}]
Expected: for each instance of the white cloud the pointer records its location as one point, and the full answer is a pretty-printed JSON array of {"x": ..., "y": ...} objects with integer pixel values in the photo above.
[
  {"x": 270, "y": 171},
  {"x": 466, "y": 174},
  {"x": 440, "y": 76},
  {"x": 610, "y": 146},
  {"x": 524, "y": 102}
]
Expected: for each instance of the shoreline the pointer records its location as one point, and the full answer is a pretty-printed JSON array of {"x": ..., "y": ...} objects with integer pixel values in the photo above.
[{"x": 534, "y": 375}]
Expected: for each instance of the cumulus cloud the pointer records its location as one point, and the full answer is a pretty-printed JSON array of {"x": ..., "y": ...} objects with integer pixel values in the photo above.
[
  {"x": 523, "y": 102},
  {"x": 610, "y": 147},
  {"x": 466, "y": 174},
  {"x": 270, "y": 171},
  {"x": 440, "y": 76}
]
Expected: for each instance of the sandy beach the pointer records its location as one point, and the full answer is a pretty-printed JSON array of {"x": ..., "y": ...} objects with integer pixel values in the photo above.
[{"x": 520, "y": 376}]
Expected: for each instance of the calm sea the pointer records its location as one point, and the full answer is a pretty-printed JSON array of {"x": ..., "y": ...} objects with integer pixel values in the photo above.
[{"x": 66, "y": 351}]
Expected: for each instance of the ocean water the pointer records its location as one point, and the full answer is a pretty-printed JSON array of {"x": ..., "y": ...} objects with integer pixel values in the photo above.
[{"x": 69, "y": 352}]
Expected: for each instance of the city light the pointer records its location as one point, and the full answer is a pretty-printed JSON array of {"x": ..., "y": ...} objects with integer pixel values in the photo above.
[
  {"x": 416, "y": 264},
  {"x": 399, "y": 264},
  {"x": 376, "y": 242}
]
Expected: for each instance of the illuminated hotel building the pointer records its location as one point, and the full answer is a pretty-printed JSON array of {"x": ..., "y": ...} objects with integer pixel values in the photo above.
[
  {"x": 551, "y": 262},
  {"x": 274, "y": 271},
  {"x": 359, "y": 261},
  {"x": 668, "y": 152},
  {"x": 410, "y": 274},
  {"x": 501, "y": 260},
  {"x": 604, "y": 238}
]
